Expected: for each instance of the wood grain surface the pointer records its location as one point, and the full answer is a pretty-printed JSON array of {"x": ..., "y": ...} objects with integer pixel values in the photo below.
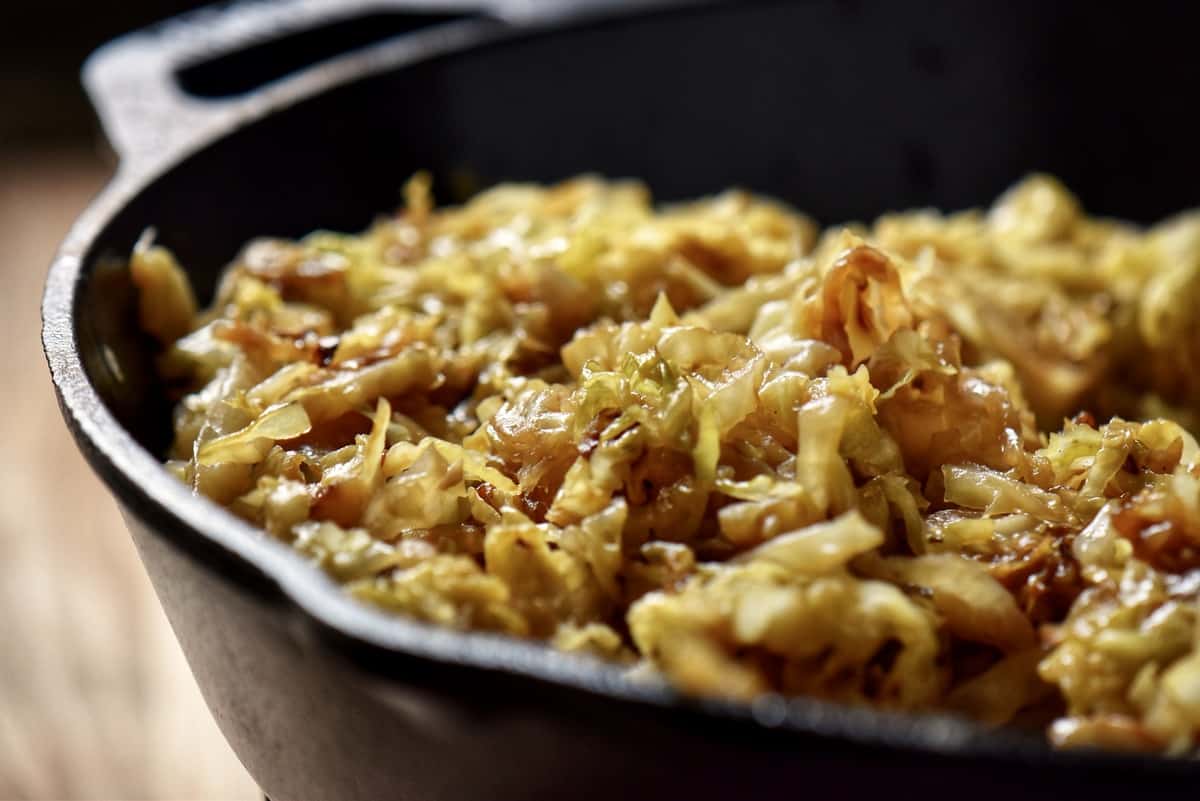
[{"x": 96, "y": 700}]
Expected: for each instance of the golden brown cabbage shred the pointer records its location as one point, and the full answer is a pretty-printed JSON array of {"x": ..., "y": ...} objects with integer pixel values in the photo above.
[{"x": 705, "y": 442}]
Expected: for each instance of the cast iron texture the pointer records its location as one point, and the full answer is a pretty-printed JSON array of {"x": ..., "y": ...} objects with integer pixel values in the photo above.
[{"x": 845, "y": 109}]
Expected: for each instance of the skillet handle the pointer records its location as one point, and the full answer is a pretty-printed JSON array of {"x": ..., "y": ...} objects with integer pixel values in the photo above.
[{"x": 150, "y": 119}]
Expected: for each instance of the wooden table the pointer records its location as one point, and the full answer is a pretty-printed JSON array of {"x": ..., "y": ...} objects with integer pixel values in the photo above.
[{"x": 96, "y": 700}]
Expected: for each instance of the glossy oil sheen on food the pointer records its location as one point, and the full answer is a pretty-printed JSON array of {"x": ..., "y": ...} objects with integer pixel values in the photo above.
[{"x": 938, "y": 462}]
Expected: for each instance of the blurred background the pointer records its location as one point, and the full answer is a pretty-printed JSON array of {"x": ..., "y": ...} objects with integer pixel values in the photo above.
[{"x": 96, "y": 701}]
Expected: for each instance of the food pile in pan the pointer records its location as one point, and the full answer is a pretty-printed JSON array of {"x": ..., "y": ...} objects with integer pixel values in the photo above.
[{"x": 938, "y": 462}]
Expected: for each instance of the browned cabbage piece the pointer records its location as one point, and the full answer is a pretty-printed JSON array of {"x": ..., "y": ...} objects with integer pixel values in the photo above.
[{"x": 875, "y": 465}]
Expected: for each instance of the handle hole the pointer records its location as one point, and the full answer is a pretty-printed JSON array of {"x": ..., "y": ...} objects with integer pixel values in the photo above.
[{"x": 247, "y": 69}]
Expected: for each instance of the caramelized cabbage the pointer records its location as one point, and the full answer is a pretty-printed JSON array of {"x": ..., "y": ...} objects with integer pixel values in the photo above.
[{"x": 710, "y": 442}]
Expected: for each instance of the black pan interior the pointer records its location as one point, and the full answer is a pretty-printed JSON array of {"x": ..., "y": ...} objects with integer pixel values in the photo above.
[{"x": 844, "y": 109}]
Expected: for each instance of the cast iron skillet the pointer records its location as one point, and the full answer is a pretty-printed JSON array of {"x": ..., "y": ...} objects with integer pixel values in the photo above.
[{"x": 843, "y": 108}]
